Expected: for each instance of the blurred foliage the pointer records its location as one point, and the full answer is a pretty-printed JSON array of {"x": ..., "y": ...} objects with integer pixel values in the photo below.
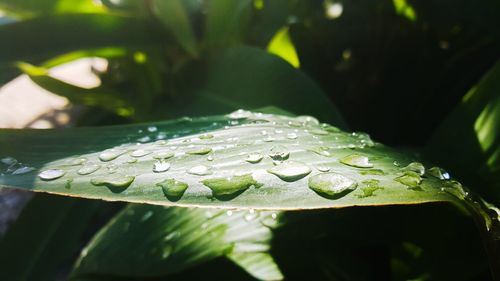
[{"x": 418, "y": 74}]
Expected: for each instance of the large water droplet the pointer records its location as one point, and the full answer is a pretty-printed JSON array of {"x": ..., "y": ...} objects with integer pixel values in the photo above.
[
  {"x": 410, "y": 179},
  {"x": 23, "y": 170},
  {"x": 206, "y": 136},
  {"x": 416, "y": 167},
  {"x": 279, "y": 153},
  {"x": 163, "y": 155},
  {"x": 200, "y": 170},
  {"x": 254, "y": 157},
  {"x": 439, "y": 173},
  {"x": 88, "y": 169},
  {"x": 115, "y": 181},
  {"x": 240, "y": 114},
  {"x": 161, "y": 166},
  {"x": 139, "y": 153},
  {"x": 321, "y": 150},
  {"x": 199, "y": 151},
  {"x": 110, "y": 154},
  {"x": 172, "y": 188},
  {"x": 231, "y": 185},
  {"x": 332, "y": 184},
  {"x": 290, "y": 171},
  {"x": 51, "y": 174},
  {"x": 357, "y": 161}
]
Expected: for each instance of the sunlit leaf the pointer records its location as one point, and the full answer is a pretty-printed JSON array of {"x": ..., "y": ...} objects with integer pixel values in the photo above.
[{"x": 282, "y": 46}]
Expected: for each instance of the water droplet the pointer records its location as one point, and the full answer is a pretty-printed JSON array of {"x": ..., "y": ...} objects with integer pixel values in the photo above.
[
  {"x": 78, "y": 161},
  {"x": 410, "y": 179},
  {"x": 88, "y": 169},
  {"x": 331, "y": 184},
  {"x": 321, "y": 150},
  {"x": 210, "y": 158},
  {"x": 146, "y": 216},
  {"x": 8, "y": 161},
  {"x": 278, "y": 131},
  {"x": 23, "y": 170},
  {"x": 172, "y": 188},
  {"x": 290, "y": 171},
  {"x": 229, "y": 213},
  {"x": 200, "y": 170},
  {"x": 68, "y": 183},
  {"x": 371, "y": 186},
  {"x": 279, "y": 153},
  {"x": 152, "y": 129},
  {"x": 231, "y": 185},
  {"x": 251, "y": 215},
  {"x": 206, "y": 136},
  {"x": 416, "y": 167},
  {"x": 323, "y": 168},
  {"x": 375, "y": 172},
  {"x": 116, "y": 181},
  {"x": 112, "y": 168},
  {"x": 439, "y": 173},
  {"x": 161, "y": 142},
  {"x": 161, "y": 166},
  {"x": 111, "y": 154},
  {"x": 240, "y": 114},
  {"x": 51, "y": 174},
  {"x": 254, "y": 157},
  {"x": 132, "y": 160},
  {"x": 291, "y": 136},
  {"x": 263, "y": 132},
  {"x": 139, "y": 153},
  {"x": 163, "y": 155},
  {"x": 199, "y": 151},
  {"x": 307, "y": 120},
  {"x": 144, "y": 139},
  {"x": 357, "y": 161},
  {"x": 269, "y": 139}
]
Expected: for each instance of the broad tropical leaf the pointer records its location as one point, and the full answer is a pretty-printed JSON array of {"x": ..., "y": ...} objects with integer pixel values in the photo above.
[{"x": 242, "y": 160}]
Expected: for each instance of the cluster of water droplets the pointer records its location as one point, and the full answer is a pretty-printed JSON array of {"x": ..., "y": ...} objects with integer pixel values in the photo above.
[{"x": 11, "y": 166}]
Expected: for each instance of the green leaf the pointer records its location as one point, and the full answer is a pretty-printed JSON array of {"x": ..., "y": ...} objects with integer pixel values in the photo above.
[
  {"x": 226, "y": 19},
  {"x": 106, "y": 163},
  {"x": 46, "y": 235},
  {"x": 247, "y": 77},
  {"x": 174, "y": 17},
  {"x": 59, "y": 34},
  {"x": 475, "y": 139},
  {"x": 282, "y": 46},
  {"x": 174, "y": 239},
  {"x": 34, "y": 7}
]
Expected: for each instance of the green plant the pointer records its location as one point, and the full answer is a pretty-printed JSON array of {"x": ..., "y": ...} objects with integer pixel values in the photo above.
[{"x": 408, "y": 219}]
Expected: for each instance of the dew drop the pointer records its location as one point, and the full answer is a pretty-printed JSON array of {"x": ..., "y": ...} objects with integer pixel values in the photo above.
[
  {"x": 291, "y": 136},
  {"x": 357, "y": 161},
  {"x": 111, "y": 154},
  {"x": 240, "y": 114},
  {"x": 23, "y": 170},
  {"x": 163, "y": 155},
  {"x": 88, "y": 169},
  {"x": 254, "y": 157},
  {"x": 172, "y": 188},
  {"x": 307, "y": 120},
  {"x": 206, "y": 136},
  {"x": 371, "y": 186},
  {"x": 78, "y": 161},
  {"x": 152, "y": 129},
  {"x": 331, "y": 184},
  {"x": 116, "y": 181},
  {"x": 200, "y": 170},
  {"x": 279, "y": 153},
  {"x": 321, "y": 150},
  {"x": 161, "y": 166},
  {"x": 290, "y": 171},
  {"x": 269, "y": 139},
  {"x": 210, "y": 158},
  {"x": 410, "y": 179},
  {"x": 231, "y": 185},
  {"x": 229, "y": 213},
  {"x": 416, "y": 167},
  {"x": 51, "y": 174},
  {"x": 251, "y": 215},
  {"x": 139, "y": 153},
  {"x": 439, "y": 173},
  {"x": 199, "y": 151}
]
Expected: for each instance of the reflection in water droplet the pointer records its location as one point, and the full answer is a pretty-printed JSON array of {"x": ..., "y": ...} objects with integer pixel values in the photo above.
[
  {"x": 279, "y": 153},
  {"x": 88, "y": 169},
  {"x": 357, "y": 161},
  {"x": 139, "y": 153},
  {"x": 51, "y": 174},
  {"x": 254, "y": 157},
  {"x": 416, "y": 167},
  {"x": 161, "y": 166},
  {"x": 439, "y": 173},
  {"x": 200, "y": 170},
  {"x": 116, "y": 181},
  {"x": 172, "y": 188},
  {"x": 410, "y": 179},
  {"x": 230, "y": 185},
  {"x": 290, "y": 171},
  {"x": 111, "y": 154},
  {"x": 331, "y": 184},
  {"x": 199, "y": 151}
]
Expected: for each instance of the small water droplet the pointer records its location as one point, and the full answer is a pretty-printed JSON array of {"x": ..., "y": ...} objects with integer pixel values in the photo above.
[
  {"x": 229, "y": 213},
  {"x": 410, "y": 179},
  {"x": 321, "y": 150},
  {"x": 290, "y": 171},
  {"x": 139, "y": 153},
  {"x": 357, "y": 161},
  {"x": 163, "y": 155},
  {"x": 240, "y": 114},
  {"x": 161, "y": 142},
  {"x": 206, "y": 136},
  {"x": 291, "y": 136},
  {"x": 322, "y": 168},
  {"x": 251, "y": 215},
  {"x": 200, "y": 170},
  {"x": 210, "y": 157},
  {"x": 172, "y": 188},
  {"x": 51, "y": 174},
  {"x": 110, "y": 154},
  {"x": 152, "y": 129},
  {"x": 439, "y": 173},
  {"x": 132, "y": 160},
  {"x": 279, "y": 153},
  {"x": 329, "y": 128},
  {"x": 231, "y": 185},
  {"x": 88, "y": 169},
  {"x": 268, "y": 139},
  {"x": 144, "y": 139},
  {"x": 116, "y": 181},
  {"x": 416, "y": 167},
  {"x": 254, "y": 157},
  {"x": 307, "y": 120},
  {"x": 199, "y": 151},
  {"x": 331, "y": 184},
  {"x": 78, "y": 161},
  {"x": 278, "y": 131},
  {"x": 161, "y": 166}
]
